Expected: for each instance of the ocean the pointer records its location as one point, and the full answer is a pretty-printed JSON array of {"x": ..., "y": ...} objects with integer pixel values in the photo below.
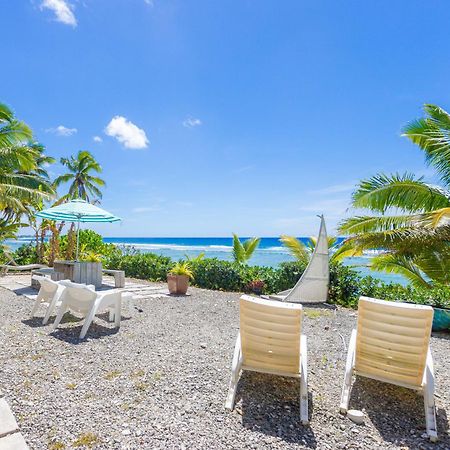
[{"x": 269, "y": 253}]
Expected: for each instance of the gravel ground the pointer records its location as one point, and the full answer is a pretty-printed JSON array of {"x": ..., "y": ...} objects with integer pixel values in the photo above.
[{"x": 161, "y": 382}]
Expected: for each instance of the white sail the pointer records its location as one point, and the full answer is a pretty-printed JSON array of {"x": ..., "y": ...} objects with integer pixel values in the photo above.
[{"x": 312, "y": 287}]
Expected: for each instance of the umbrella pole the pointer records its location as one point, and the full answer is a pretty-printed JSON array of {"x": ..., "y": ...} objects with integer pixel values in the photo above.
[{"x": 78, "y": 238}]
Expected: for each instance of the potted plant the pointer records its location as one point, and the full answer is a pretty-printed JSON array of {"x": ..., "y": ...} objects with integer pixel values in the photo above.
[
  {"x": 256, "y": 287},
  {"x": 178, "y": 278}
]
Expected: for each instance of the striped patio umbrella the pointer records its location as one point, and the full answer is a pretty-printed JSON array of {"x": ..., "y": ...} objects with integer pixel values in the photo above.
[{"x": 79, "y": 211}]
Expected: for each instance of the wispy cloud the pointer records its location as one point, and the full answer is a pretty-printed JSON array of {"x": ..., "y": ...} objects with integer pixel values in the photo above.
[
  {"x": 190, "y": 122},
  {"x": 63, "y": 11},
  {"x": 185, "y": 204},
  {"x": 97, "y": 139},
  {"x": 243, "y": 169},
  {"x": 149, "y": 3},
  {"x": 61, "y": 130},
  {"x": 336, "y": 188},
  {"x": 127, "y": 133},
  {"x": 144, "y": 209}
]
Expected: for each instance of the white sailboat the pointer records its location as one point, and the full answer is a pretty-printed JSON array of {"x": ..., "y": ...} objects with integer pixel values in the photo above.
[{"x": 312, "y": 287}]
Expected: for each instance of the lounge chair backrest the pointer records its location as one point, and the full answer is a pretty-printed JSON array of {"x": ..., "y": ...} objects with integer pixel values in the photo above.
[
  {"x": 392, "y": 341},
  {"x": 270, "y": 335},
  {"x": 79, "y": 296},
  {"x": 46, "y": 284}
]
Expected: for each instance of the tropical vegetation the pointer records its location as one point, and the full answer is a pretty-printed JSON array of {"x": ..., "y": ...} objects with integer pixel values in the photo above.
[
  {"x": 83, "y": 184},
  {"x": 408, "y": 218},
  {"x": 23, "y": 179},
  {"x": 26, "y": 187},
  {"x": 243, "y": 251},
  {"x": 302, "y": 251}
]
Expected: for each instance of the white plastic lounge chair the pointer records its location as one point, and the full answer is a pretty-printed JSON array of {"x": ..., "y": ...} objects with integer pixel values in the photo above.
[
  {"x": 391, "y": 344},
  {"x": 4, "y": 268},
  {"x": 82, "y": 299},
  {"x": 312, "y": 287},
  {"x": 49, "y": 295},
  {"x": 270, "y": 341}
]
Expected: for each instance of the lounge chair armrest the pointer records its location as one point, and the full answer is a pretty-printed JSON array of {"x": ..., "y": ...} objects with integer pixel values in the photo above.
[{"x": 109, "y": 298}]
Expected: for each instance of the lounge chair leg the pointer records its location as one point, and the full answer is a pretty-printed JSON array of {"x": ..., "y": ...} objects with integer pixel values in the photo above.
[
  {"x": 235, "y": 373},
  {"x": 50, "y": 309},
  {"x": 87, "y": 321},
  {"x": 61, "y": 311},
  {"x": 36, "y": 305},
  {"x": 48, "y": 313},
  {"x": 428, "y": 396},
  {"x": 117, "y": 311},
  {"x": 347, "y": 386},
  {"x": 304, "y": 380}
]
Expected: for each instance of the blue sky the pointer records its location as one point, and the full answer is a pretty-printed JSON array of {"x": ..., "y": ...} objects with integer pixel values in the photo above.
[{"x": 210, "y": 117}]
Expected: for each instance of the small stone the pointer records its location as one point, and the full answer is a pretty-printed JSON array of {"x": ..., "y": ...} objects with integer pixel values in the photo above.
[
  {"x": 126, "y": 432},
  {"x": 203, "y": 345}
]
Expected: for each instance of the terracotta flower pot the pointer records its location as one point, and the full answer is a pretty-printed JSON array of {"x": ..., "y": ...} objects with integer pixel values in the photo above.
[{"x": 178, "y": 284}]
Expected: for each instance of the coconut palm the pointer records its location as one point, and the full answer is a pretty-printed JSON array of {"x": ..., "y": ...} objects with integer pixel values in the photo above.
[
  {"x": 21, "y": 181},
  {"x": 83, "y": 183},
  {"x": 412, "y": 217},
  {"x": 302, "y": 251},
  {"x": 243, "y": 251}
]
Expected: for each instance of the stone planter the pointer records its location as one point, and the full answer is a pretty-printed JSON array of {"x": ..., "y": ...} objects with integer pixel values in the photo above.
[
  {"x": 81, "y": 271},
  {"x": 441, "y": 319},
  {"x": 178, "y": 284}
]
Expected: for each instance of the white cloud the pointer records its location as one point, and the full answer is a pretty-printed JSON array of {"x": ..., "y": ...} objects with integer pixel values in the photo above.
[
  {"x": 61, "y": 130},
  {"x": 185, "y": 204},
  {"x": 62, "y": 9},
  {"x": 97, "y": 139},
  {"x": 127, "y": 133},
  {"x": 149, "y": 3},
  {"x": 336, "y": 188},
  {"x": 191, "y": 122},
  {"x": 145, "y": 209}
]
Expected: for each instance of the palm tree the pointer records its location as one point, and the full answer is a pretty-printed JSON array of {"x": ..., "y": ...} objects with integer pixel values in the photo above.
[
  {"x": 302, "y": 251},
  {"x": 243, "y": 251},
  {"x": 412, "y": 218},
  {"x": 83, "y": 183},
  {"x": 21, "y": 181}
]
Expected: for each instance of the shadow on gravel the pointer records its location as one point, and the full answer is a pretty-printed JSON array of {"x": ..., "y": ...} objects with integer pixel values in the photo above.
[
  {"x": 26, "y": 290},
  {"x": 441, "y": 335},
  {"x": 397, "y": 413},
  {"x": 72, "y": 335},
  {"x": 271, "y": 405}
]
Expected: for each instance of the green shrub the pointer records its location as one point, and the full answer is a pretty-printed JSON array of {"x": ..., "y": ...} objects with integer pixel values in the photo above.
[
  {"x": 90, "y": 242},
  {"x": 212, "y": 273},
  {"x": 25, "y": 254},
  {"x": 437, "y": 295},
  {"x": 146, "y": 266}
]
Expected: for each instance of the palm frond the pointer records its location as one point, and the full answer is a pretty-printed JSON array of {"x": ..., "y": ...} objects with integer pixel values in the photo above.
[
  {"x": 295, "y": 247},
  {"x": 402, "y": 265},
  {"x": 250, "y": 245},
  {"x": 404, "y": 192},
  {"x": 238, "y": 249}
]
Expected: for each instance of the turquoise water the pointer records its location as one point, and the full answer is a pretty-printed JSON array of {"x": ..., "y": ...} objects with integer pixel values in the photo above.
[{"x": 270, "y": 252}]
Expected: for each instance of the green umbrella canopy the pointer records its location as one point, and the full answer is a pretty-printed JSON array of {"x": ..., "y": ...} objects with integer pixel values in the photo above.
[{"x": 79, "y": 211}]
